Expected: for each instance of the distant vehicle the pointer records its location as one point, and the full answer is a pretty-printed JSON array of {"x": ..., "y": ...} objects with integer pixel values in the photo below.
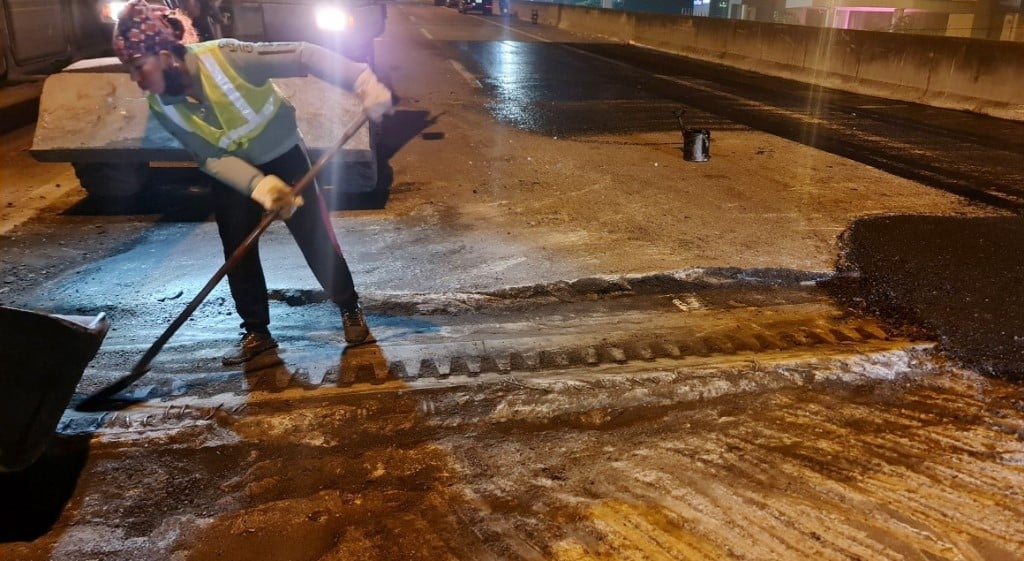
[
  {"x": 482, "y": 6},
  {"x": 37, "y": 38}
]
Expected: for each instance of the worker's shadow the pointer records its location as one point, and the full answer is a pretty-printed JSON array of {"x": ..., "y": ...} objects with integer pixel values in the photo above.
[
  {"x": 364, "y": 363},
  {"x": 404, "y": 125},
  {"x": 269, "y": 373},
  {"x": 394, "y": 132},
  {"x": 32, "y": 499}
]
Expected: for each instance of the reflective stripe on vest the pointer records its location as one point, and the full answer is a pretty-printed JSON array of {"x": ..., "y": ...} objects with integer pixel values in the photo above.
[{"x": 232, "y": 99}]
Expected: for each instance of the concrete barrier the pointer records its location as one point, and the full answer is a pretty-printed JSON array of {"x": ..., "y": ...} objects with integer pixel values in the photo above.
[
  {"x": 592, "y": 21},
  {"x": 547, "y": 13},
  {"x": 953, "y": 72}
]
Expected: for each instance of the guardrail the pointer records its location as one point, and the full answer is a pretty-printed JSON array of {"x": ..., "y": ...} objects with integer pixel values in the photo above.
[{"x": 976, "y": 75}]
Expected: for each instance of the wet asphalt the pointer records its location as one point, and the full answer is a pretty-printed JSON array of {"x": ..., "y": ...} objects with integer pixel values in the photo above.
[
  {"x": 959, "y": 279},
  {"x": 620, "y": 88}
]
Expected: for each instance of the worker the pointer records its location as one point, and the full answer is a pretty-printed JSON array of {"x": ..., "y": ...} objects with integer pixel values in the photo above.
[
  {"x": 216, "y": 99},
  {"x": 205, "y": 15}
]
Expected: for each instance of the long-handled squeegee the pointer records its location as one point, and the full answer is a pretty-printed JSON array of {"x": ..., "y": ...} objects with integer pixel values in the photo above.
[{"x": 101, "y": 399}]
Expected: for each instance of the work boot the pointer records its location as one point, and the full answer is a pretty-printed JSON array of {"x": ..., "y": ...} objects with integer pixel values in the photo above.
[
  {"x": 354, "y": 323},
  {"x": 252, "y": 345}
]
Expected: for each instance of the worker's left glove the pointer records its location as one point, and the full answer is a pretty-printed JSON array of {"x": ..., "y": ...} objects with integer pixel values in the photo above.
[
  {"x": 274, "y": 195},
  {"x": 376, "y": 97}
]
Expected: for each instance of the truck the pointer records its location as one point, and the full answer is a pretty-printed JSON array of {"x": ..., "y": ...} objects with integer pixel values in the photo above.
[
  {"x": 92, "y": 115},
  {"x": 38, "y": 37}
]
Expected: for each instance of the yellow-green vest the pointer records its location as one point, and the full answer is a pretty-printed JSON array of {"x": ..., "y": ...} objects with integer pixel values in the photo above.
[{"x": 242, "y": 109}]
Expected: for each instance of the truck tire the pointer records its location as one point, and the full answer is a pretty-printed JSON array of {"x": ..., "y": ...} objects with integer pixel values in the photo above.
[{"x": 112, "y": 180}]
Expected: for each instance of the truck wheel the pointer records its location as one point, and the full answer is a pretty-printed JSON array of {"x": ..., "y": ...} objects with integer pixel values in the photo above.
[{"x": 111, "y": 180}]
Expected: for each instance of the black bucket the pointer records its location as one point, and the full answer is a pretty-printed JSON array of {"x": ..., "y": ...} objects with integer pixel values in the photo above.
[
  {"x": 696, "y": 145},
  {"x": 696, "y": 142},
  {"x": 42, "y": 358}
]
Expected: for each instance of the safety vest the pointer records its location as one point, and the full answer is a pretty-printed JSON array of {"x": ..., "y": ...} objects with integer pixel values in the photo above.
[{"x": 242, "y": 109}]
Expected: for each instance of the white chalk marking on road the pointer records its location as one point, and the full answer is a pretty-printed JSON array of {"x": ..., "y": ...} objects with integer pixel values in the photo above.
[
  {"x": 690, "y": 304},
  {"x": 495, "y": 266},
  {"x": 30, "y": 205},
  {"x": 426, "y": 33},
  {"x": 465, "y": 74}
]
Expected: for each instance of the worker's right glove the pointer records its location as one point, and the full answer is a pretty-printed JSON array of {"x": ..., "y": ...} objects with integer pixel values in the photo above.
[
  {"x": 274, "y": 195},
  {"x": 376, "y": 97}
]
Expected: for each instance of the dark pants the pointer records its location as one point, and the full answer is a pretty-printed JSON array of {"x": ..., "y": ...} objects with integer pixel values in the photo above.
[{"x": 237, "y": 216}]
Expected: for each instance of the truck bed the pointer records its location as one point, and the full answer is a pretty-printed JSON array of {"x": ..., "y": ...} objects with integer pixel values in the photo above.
[{"x": 91, "y": 114}]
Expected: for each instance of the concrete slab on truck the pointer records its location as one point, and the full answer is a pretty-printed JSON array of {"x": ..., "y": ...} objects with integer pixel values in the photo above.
[{"x": 89, "y": 116}]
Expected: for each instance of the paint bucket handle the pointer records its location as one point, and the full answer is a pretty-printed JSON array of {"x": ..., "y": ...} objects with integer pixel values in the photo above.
[{"x": 679, "y": 118}]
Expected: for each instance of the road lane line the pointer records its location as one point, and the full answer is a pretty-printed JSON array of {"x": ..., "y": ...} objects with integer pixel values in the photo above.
[
  {"x": 426, "y": 33},
  {"x": 502, "y": 25},
  {"x": 465, "y": 74}
]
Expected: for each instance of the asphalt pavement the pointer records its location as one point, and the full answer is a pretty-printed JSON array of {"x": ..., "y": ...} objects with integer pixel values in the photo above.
[
  {"x": 960, "y": 279},
  {"x": 585, "y": 346}
]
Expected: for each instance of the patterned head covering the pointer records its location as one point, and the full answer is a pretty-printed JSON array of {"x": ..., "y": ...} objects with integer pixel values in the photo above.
[{"x": 143, "y": 29}]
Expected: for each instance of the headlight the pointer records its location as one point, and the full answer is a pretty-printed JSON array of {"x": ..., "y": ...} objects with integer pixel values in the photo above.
[
  {"x": 331, "y": 18},
  {"x": 111, "y": 10}
]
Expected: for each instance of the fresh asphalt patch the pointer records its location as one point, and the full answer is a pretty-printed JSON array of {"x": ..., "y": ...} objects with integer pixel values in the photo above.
[{"x": 960, "y": 279}]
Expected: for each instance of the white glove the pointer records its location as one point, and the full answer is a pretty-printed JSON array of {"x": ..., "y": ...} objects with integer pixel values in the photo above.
[
  {"x": 274, "y": 195},
  {"x": 376, "y": 97}
]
